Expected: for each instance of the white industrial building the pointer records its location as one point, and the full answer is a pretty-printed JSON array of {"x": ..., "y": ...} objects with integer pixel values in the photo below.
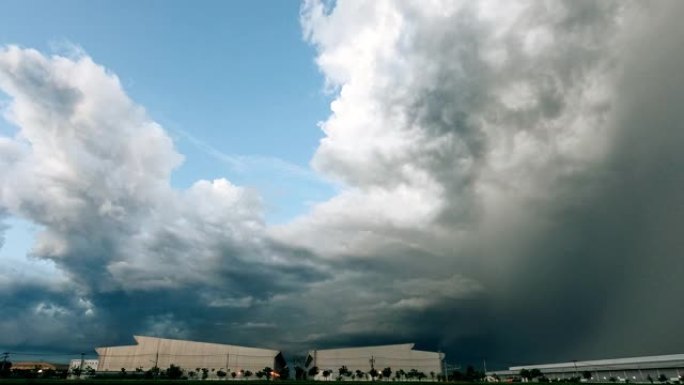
[
  {"x": 398, "y": 358},
  {"x": 633, "y": 369},
  {"x": 149, "y": 352}
]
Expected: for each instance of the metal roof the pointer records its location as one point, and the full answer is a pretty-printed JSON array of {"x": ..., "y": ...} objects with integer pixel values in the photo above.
[{"x": 645, "y": 362}]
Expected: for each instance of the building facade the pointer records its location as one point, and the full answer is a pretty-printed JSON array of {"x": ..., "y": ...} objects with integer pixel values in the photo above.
[
  {"x": 404, "y": 363},
  {"x": 149, "y": 352},
  {"x": 634, "y": 369}
]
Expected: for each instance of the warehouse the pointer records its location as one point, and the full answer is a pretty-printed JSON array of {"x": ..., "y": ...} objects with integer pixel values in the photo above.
[
  {"x": 634, "y": 369},
  {"x": 152, "y": 352},
  {"x": 402, "y": 360}
]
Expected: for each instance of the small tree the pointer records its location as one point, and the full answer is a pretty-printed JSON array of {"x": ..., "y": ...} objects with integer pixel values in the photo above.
[
  {"x": 326, "y": 373},
  {"x": 343, "y": 371},
  {"x": 586, "y": 375},
  {"x": 300, "y": 373},
  {"x": 387, "y": 373},
  {"x": 248, "y": 374},
  {"x": 313, "y": 371},
  {"x": 360, "y": 374},
  {"x": 662, "y": 378},
  {"x": 76, "y": 371},
  {"x": 373, "y": 373},
  {"x": 174, "y": 372},
  {"x": 221, "y": 374},
  {"x": 5, "y": 368},
  {"x": 267, "y": 373},
  {"x": 284, "y": 373},
  {"x": 205, "y": 373},
  {"x": 535, "y": 373},
  {"x": 260, "y": 374}
]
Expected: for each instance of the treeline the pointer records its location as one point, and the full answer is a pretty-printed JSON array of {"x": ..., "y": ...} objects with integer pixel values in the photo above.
[{"x": 174, "y": 372}]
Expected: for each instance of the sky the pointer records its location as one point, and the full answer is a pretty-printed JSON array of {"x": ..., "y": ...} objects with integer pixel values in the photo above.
[{"x": 495, "y": 180}]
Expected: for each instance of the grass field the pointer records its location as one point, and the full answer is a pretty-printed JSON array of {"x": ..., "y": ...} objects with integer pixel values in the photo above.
[{"x": 112, "y": 381}]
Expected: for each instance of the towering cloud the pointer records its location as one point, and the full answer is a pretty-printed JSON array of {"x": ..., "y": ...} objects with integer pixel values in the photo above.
[
  {"x": 91, "y": 169},
  {"x": 528, "y": 148}
]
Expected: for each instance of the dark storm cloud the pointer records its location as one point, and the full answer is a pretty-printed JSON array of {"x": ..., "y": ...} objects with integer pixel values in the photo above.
[{"x": 553, "y": 135}]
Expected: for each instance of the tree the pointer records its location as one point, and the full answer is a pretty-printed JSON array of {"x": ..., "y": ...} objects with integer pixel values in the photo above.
[
  {"x": 456, "y": 375},
  {"x": 174, "y": 372},
  {"x": 413, "y": 373},
  {"x": 343, "y": 371},
  {"x": 313, "y": 371},
  {"x": 473, "y": 375},
  {"x": 76, "y": 371},
  {"x": 373, "y": 373},
  {"x": 300, "y": 373},
  {"x": 5, "y": 367},
  {"x": 267, "y": 372},
  {"x": 586, "y": 375},
  {"x": 153, "y": 372},
  {"x": 649, "y": 378},
  {"x": 387, "y": 373},
  {"x": 259, "y": 374},
  {"x": 360, "y": 374},
  {"x": 326, "y": 374},
  {"x": 662, "y": 378},
  {"x": 535, "y": 373},
  {"x": 284, "y": 373},
  {"x": 221, "y": 374},
  {"x": 248, "y": 374},
  {"x": 525, "y": 373},
  {"x": 400, "y": 374},
  {"x": 205, "y": 373}
]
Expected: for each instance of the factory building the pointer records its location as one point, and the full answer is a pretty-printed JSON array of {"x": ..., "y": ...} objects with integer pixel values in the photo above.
[
  {"x": 634, "y": 369},
  {"x": 149, "y": 352},
  {"x": 404, "y": 363}
]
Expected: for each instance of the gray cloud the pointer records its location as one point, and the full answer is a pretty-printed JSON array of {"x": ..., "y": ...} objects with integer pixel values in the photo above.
[{"x": 518, "y": 147}]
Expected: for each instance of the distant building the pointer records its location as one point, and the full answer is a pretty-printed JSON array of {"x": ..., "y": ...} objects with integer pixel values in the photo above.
[
  {"x": 37, "y": 365},
  {"x": 83, "y": 364},
  {"x": 152, "y": 352},
  {"x": 633, "y": 369},
  {"x": 360, "y": 361}
]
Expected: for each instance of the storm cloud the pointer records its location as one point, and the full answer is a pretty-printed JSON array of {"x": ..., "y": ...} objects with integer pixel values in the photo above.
[{"x": 511, "y": 178}]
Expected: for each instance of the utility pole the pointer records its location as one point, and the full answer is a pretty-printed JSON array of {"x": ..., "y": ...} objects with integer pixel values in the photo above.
[
  {"x": 484, "y": 364},
  {"x": 372, "y": 362},
  {"x": 574, "y": 362},
  {"x": 5, "y": 357},
  {"x": 442, "y": 359},
  {"x": 80, "y": 367}
]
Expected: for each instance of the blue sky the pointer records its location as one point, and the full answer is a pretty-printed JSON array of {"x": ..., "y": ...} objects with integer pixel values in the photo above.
[
  {"x": 224, "y": 86},
  {"x": 236, "y": 76}
]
